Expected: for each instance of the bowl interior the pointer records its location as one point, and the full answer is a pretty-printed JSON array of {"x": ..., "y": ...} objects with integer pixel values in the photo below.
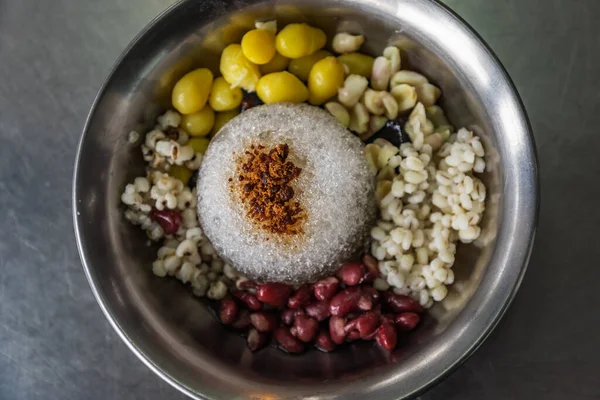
[{"x": 174, "y": 332}]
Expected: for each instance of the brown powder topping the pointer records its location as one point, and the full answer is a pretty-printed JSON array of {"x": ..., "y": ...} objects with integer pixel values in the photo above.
[{"x": 264, "y": 183}]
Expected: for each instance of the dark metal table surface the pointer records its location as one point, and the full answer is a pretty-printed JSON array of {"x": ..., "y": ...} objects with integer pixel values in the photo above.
[{"x": 55, "y": 342}]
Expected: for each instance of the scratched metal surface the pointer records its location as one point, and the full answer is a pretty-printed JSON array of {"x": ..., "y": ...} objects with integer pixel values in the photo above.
[{"x": 54, "y": 341}]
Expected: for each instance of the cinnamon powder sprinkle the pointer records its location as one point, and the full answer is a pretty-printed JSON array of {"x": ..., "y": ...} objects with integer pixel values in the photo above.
[{"x": 264, "y": 184}]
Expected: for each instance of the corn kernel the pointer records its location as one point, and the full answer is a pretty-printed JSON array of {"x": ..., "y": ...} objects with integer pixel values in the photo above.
[
  {"x": 237, "y": 70},
  {"x": 223, "y": 97},
  {"x": 381, "y": 74},
  {"x": 346, "y": 43},
  {"x": 358, "y": 63},
  {"x": 392, "y": 53},
  {"x": 353, "y": 89},
  {"x": 191, "y": 91},
  {"x": 277, "y": 64},
  {"x": 428, "y": 94},
  {"x": 407, "y": 77},
  {"x": 270, "y": 26},
  {"x": 326, "y": 77},
  {"x": 301, "y": 66},
  {"x": 359, "y": 118},
  {"x": 182, "y": 173},
  {"x": 437, "y": 116},
  {"x": 339, "y": 112},
  {"x": 258, "y": 45},
  {"x": 164, "y": 87},
  {"x": 281, "y": 87},
  {"x": 405, "y": 95},
  {"x": 299, "y": 40},
  {"x": 199, "y": 144},
  {"x": 199, "y": 123},
  {"x": 222, "y": 118}
]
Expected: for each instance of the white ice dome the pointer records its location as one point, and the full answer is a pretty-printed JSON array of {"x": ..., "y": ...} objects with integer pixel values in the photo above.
[{"x": 335, "y": 188}]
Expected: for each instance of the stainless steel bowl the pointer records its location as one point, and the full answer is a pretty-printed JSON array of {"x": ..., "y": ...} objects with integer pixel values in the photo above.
[{"x": 173, "y": 333}]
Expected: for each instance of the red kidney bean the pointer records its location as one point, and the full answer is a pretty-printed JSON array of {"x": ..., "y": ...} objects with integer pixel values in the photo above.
[
  {"x": 352, "y": 336},
  {"x": 247, "y": 299},
  {"x": 264, "y": 322},
  {"x": 366, "y": 324},
  {"x": 228, "y": 311},
  {"x": 301, "y": 297},
  {"x": 256, "y": 340},
  {"x": 365, "y": 303},
  {"x": 324, "y": 342},
  {"x": 337, "y": 329},
  {"x": 245, "y": 285},
  {"x": 287, "y": 341},
  {"x": 354, "y": 312},
  {"x": 399, "y": 303},
  {"x": 288, "y": 316},
  {"x": 326, "y": 288},
  {"x": 371, "y": 263},
  {"x": 390, "y": 318},
  {"x": 243, "y": 320},
  {"x": 368, "y": 299},
  {"x": 377, "y": 309},
  {"x": 345, "y": 301},
  {"x": 318, "y": 310},
  {"x": 371, "y": 336},
  {"x": 169, "y": 220},
  {"x": 387, "y": 336},
  {"x": 305, "y": 328},
  {"x": 407, "y": 321},
  {"x": 371, "y": 269},
  {"x": 274, "y": 293},
  {"x": 350, "y": 323},
  {"x": 372, "y": 292},
  {"x": 351, "y": 273},
  {"x": 369, "y": 277},
  {"x": 352, "y": 315},
  {"x": 250, "y": 100}
]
